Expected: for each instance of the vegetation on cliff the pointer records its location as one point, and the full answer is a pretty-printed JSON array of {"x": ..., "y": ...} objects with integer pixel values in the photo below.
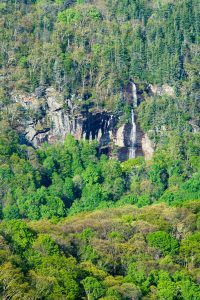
[{"x": 92, "y": 49}]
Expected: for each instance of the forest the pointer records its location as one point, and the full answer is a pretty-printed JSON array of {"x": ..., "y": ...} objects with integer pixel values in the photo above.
[
  {"x": 75, "y": 223},
  {"x": 124, "y": 253}
]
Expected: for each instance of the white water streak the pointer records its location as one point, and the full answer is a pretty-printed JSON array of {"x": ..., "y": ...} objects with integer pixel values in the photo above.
[{"x": 132, "y": 151}]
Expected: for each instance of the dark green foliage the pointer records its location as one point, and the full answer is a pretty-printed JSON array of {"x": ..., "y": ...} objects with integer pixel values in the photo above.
[
  {"x": 18, "y": 234},
  {"x": 58, "y": 181},
  {"x": 163, "y": 241},
  {"x": 93, "y": 288},
  {"x": 151, "y": 41},
  {"x": 55, "y": 181}
]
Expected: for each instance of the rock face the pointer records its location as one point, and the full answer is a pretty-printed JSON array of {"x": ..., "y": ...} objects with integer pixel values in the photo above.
[
  {"x": 147, "y": 147},
  {"x": 160, "y": 91},
  {"x": 48, "y": 117}
]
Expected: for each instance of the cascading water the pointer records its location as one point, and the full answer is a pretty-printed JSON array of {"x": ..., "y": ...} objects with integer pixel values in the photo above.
[
  {"x": 134, "y": 129},
  {"x": 134, "y": 91}
]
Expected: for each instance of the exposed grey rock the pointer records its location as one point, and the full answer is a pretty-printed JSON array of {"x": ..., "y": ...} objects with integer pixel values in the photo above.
[
  {"x": 40, "y": 92},
  {"x": 51, "y": 118},
  {"x": 147, "y": 147},
  {"x": 165, "y": 89},
  {"x": 31, "y": 133}
]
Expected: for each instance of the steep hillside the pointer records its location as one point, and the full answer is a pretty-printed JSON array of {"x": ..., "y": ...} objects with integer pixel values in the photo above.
[
  {"x": 99, "y": 149},
  {"x": 122, "y": 73},
  {"x": 86, "y": 55},
  {"x": 93, "y": 48}
]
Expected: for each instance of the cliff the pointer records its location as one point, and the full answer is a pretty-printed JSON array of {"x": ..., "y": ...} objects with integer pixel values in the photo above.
[{"x": 49, "y": 117}]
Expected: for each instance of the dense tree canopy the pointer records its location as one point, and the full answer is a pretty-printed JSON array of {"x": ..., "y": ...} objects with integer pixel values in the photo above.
[
  {"x": 93, "y": 48},
  {"x": 59, "y": 180},
  {"x": 124, "y": 253},
  {"x": 74, "y": 223}
]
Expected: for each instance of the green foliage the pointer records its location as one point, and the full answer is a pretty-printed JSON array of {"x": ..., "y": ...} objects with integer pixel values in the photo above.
[
  {"x": 94, "y": 14},
  {"x": 93, "y": 288},
  {"x": 69, "y": 16},
  {"x": 18, "y": 234},
  {"x": 116, "y": 254},
  {"x": 161, "y": 47},
  {"x": 54, "y": 181},
  {"x": 90, "y": 51},
  {"x": 11, "y": 212},
  {"x": 190, "y": 248},
  {"x": 163, "y": 241},
  {"x": 45, "y": 245}
]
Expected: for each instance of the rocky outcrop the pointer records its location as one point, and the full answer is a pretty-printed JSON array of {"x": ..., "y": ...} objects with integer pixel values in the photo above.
[
  {"x": 165, "y": 89},
  {"x": 147, "y": 147},
  {"x": 49, "y": 117}
]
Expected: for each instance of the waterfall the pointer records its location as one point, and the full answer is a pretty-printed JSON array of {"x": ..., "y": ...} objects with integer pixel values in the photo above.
[
  {"x": 134, "y": 91},
  {"x": 133, "y": 138}
]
